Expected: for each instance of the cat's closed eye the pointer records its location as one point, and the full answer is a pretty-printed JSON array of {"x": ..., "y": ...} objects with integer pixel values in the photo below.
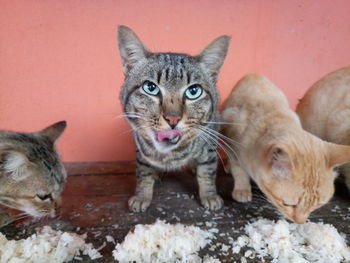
[
  {"x": 285, "y": 203},
  {"x": 45, "y": 197}
]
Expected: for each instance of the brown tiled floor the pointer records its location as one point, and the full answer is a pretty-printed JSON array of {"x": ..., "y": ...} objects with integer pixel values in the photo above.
[{"x": 96, "y": 194}]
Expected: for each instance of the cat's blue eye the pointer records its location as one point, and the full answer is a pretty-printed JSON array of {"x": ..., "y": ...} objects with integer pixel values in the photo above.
[
  {"x": 194, "y": 92},
  {"x": 151, "y": 88}
]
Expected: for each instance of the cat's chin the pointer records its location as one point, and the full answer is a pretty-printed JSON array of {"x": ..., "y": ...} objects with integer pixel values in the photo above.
[{"x": 166, "y": 146}]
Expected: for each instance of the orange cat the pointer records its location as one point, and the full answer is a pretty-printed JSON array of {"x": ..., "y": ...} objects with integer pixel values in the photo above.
[
  {"x": 292, "y": 167},
  {"x": 325, "y": 110}
]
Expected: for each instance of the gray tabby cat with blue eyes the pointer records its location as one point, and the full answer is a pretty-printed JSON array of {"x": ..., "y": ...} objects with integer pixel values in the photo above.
[{"x": 170, "y": 101}]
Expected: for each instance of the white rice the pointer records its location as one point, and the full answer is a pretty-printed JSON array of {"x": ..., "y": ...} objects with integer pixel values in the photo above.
[
  {"x": 293, "y": 243},
  {"x": 162, "y": 242},
  {"x": 46, "y": 246}
]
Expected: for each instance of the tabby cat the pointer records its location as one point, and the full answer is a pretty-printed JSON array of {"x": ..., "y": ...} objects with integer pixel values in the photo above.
[
  {"x": 170, "y": 101},
  {"x": 31, "y": 174},
  {"x": 292, "y": 167},
  {"x": 325, "y": 111}
]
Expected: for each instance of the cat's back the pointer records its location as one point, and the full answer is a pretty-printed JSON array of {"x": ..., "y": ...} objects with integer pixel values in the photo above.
[
  {"x": 325, "y": 108},
  {"x": 255, "y": 90},
  {"x": 253, "y": 98},
  {"x": 256, "y": 107},
  {"x": 18, "y": 140}
]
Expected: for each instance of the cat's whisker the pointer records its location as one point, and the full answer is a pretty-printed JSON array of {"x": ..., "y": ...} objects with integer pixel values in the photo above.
[
  {"x": 21, "y": 214},
  {"x": 225, "y": 143},
  {"x": 211, "y": 145},
  {"x": 215, "y": 142},
  {"x": 223, "y": 136},
  {"x": 258, "y": 198},
  {"x": 13, "y": 220},
  {"x": 135, "y": 129},
  {"x": 17, "y": 217},
  {"x": 6, "y": 204},
  {"x": 217, "y": 136},
  {"x": 136, "y": 114},
  {"x": 130, "y": 116},
  {"x": 222, "y": 122}
]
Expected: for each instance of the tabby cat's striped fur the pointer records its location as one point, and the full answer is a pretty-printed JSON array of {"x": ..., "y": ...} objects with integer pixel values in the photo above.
[
  {"x": 31, "y": 174},
  {"x": 171, "y": 101}
]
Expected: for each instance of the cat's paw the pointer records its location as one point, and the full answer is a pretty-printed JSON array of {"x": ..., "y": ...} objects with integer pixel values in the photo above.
[
  {"x": 5, "y": 219},
  {"x": 347, "y": 181},
  {"x": 213, "y": 202},
  {"x": 227, "y": 168},
  {"x": 138, "y": 204},
  {"x": 242, "y": 195}
]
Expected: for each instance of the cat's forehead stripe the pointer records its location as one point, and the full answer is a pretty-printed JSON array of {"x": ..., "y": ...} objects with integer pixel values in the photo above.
[
  {"x": 172, "y": 67},
  {"x": 38, "y": 150}
]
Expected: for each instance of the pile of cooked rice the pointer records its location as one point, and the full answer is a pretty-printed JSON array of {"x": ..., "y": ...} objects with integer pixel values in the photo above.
[
  {"x": 162, "y": 242},
  {"x": 284, "y": 242},
  {"x": 46, "y": 246}
]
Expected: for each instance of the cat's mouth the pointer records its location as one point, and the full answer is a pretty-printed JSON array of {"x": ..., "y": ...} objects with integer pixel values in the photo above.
[{"x": 169, "y": 136}]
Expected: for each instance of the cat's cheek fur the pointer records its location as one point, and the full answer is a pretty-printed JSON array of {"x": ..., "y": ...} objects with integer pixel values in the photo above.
[{"x": 34, "y": 208}]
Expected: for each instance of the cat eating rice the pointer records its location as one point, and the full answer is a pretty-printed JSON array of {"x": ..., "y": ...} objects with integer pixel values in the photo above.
[
  {"x": 325, "y": 111},
  {"x": 292, "y": 167},
  {"x": 32, "y": 176}
]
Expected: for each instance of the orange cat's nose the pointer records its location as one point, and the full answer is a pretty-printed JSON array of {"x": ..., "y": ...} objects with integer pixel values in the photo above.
[{"x": 300, "y": 219}]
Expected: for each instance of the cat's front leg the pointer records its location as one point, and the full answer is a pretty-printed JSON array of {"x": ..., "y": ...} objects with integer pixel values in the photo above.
[
  {"x": 242, "y": 190},
  {"x": 206, "y": 177},
  {"x": 345, "y": 170},
  {"x": 146, "y": 176},
  {"x": 5, "y": 218}
]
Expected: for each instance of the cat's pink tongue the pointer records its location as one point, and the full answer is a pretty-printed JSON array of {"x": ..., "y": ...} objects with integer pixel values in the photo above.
[{"x": 167, "y": 135}]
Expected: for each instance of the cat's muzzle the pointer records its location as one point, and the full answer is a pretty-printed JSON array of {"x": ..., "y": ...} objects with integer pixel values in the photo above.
[{"x": 169, "y": 136}]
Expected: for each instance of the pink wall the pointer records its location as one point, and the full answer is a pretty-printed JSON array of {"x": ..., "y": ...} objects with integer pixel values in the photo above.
[{"x": 59, "y": 59}]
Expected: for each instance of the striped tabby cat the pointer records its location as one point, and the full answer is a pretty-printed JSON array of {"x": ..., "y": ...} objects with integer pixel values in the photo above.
[
  {"x": 31, "y": 174},
  {"x": 170, "y": 101}
]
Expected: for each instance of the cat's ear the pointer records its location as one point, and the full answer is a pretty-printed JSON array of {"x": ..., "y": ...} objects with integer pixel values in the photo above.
[
  {"x": 13, "y": 164},
  {"x": 338, "y": 154},
  {"x": 279, "y": 162},
  {"x": 55, "y": 130},
  {"x": 130, "y": 47},
  {"x": 213, "y": 56}
]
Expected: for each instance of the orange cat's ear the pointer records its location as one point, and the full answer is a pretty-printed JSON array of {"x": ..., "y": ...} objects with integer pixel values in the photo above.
[
  {"x": 279, "y": 162},
  {"x": 54, "y": 131},
  {"x": 338, "y": 154}
]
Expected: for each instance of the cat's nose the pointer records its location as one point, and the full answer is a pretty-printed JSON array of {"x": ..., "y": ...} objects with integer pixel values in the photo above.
[
  {"x": 172, "y": 118},
  {"x": 300, "y": 219}
]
